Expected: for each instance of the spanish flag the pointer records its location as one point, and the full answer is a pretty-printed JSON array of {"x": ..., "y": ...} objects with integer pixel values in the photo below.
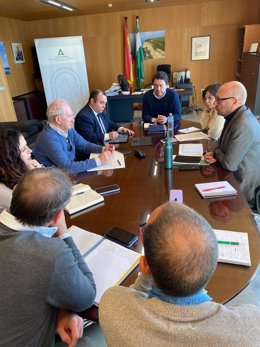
[{"x": 128, "y": 56}]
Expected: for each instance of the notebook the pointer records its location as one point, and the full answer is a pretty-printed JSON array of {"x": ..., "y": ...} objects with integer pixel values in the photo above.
[
  {"x": 186, "y": 159},
  {"x": 199, "y": 135},
  {"x": 188, "y": 130},
  {"x": 233, "y": 247},
  {"x": 82, "y": 197},
  {"x": 109, "y": 262},
  {"x": 215, "y": 189},
  {"x": 156, "y": 128}
]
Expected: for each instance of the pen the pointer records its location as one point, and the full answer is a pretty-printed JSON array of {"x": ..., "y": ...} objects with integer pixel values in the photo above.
[
  {"x": 118, "y": 162},
  {"x": 233, "y": 243},
  {"x": 213, "y": 188},
  {"x": 80, "y": 193}
]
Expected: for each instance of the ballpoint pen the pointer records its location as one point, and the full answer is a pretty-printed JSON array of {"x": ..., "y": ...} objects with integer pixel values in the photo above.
[
  {"x": 118, "y": 162},
  {"x": 233, "y": 243}
]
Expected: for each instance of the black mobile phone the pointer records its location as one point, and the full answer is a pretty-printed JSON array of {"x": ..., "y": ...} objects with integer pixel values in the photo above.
[
  {"x": 121, "y": 236},
  {"x": 113, "y": 188}
]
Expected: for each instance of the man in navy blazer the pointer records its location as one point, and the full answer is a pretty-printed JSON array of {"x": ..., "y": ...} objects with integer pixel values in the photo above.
[{"x": 93, "y": 123}]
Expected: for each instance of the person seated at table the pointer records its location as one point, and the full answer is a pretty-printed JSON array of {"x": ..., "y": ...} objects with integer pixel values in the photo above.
[
  {"x": 56, "y": 145},
  {"x": 238, "y": 148},
  {"x": 43, "y": 277},
  {"x": 15, "y": 160},
  {"x": 210, "y": 120},
  {"x": 93, "y": 123},
  {"x": 168, "y": 305},
  {"x": 160, "y": 101}
]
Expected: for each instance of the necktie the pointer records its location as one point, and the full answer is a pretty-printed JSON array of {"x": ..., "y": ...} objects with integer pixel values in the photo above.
[{"x": 101, "y": 124}]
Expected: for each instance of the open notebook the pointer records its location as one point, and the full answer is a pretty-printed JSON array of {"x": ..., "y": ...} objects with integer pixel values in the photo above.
[
  {"x": 82, "y": 197},
  {"x": 109, "y": 262}
]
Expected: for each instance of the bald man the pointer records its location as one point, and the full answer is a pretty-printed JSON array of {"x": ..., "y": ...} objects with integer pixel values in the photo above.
[
  {"x": 167, "y": 305},
  {"x": 238, "y": 148}
]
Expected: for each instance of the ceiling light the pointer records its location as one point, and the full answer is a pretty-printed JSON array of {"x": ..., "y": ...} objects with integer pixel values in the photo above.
[
  {"x": 54, "y": 3},
  {"x": 59, "y": 4},
  {"x": 151, "y": 1}
]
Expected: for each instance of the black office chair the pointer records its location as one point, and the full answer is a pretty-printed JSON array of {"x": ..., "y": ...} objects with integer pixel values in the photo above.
[
  {"x": 255, "y": 203},
  {"x": 165, "y": 68}
]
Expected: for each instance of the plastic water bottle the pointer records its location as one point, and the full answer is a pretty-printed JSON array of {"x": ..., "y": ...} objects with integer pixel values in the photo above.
[
  {"x": 168, "y": 152},
  {"x": 170, "y": 126}
]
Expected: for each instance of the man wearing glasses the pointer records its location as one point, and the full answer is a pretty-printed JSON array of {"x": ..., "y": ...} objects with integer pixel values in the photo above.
[
  {"x": 238, "y": 148},
  {"x": 58, "y": 142},
  {"x": 160, "y": 101}
]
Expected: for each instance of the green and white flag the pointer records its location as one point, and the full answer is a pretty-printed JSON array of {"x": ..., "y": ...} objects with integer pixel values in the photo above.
[{"x": 139, "y": 57}]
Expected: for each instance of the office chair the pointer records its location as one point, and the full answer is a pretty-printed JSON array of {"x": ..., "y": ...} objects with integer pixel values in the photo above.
[
  {"x": 165, "y": 68},
  {"x": 257, "y": 199}
]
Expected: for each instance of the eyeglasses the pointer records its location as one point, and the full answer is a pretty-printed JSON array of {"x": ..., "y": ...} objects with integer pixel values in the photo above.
[
  {"x": 69, "y": 144},
  {"x": 218, "y": 99}
]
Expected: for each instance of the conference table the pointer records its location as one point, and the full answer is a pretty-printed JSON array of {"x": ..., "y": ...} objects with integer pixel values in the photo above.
[{"x": 145, "y": 184}]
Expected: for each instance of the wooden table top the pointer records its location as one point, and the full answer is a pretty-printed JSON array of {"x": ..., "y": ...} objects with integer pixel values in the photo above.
[{"x": 144, "y": 185}]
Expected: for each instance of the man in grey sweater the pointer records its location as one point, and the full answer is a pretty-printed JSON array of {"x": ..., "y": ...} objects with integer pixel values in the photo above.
[
  {"x": 43, "y": 278},
  {"x": 167, "y": 305},
  {"x": 238, "y": 148}
]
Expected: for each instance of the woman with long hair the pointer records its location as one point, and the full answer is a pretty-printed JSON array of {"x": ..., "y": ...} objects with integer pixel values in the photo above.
[
  {"x": 210, "y": 120},
  {"x": 15, "y": 160}
]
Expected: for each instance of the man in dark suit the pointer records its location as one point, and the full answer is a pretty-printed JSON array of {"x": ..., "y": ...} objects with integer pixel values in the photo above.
[{"x": 93, "y": 123}]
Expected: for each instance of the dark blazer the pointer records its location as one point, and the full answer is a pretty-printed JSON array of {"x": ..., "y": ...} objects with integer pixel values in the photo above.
[
  {"x": 238, "y": 150},
  {"x": 87, "y": 126}
]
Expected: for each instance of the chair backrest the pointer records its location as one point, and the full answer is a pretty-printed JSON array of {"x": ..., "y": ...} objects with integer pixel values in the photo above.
[
  {"x": 166, "y": 68},
  {"x": 257, "y": 199}
]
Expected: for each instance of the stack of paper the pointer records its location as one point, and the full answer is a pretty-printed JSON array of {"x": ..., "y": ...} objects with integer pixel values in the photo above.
[
  {"x": 109, "y": 262},
  {"x": 82, "y": 197},
  {"x": 188, "y": 130},
  {"x": 215, "y": 189},
  {"x": 199, "y": 135},
  {"x": 191, "y": 149},
  {"x": 233, "y": 247},
  {"x": 116, "y": 161}
]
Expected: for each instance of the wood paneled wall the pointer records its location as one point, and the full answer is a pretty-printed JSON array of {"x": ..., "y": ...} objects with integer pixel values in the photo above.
[
  {"x": 7, "y": 112},
  {"x": 20, "y": 79},
  {"x": 252, "y": 35},
  {"x": 103, "y": 40}
]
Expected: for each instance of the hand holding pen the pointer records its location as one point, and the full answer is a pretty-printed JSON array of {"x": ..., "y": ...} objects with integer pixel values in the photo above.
[{"x": 209, "y": 157}]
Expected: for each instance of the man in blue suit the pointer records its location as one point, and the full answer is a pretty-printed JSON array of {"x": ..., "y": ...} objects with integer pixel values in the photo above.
[{"x": 93, "y": 123}]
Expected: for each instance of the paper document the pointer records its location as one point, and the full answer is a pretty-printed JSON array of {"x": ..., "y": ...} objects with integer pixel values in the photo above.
[
  {"x": 199, "y": 135},
  {"x": 109, "y": 262},
  {"x": 116, "y": 161},
  {"x": 188, "y": 130},
  {"x": 191, "y": 149},
  {"x": 233, "y": 247}
]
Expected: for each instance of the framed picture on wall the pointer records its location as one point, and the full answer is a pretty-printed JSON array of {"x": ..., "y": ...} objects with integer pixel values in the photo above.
[
  {"x": 200, "y": 46},
  {"x": 18, "y": 53}
]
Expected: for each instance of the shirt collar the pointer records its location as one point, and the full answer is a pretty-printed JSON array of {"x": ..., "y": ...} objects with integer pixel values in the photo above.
[
  {"x": 11, "y": 222},
  {"x": 58, "y": 130},
  {"x": 95, "y": 113},
  {"x": 161, "y": 96}
]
